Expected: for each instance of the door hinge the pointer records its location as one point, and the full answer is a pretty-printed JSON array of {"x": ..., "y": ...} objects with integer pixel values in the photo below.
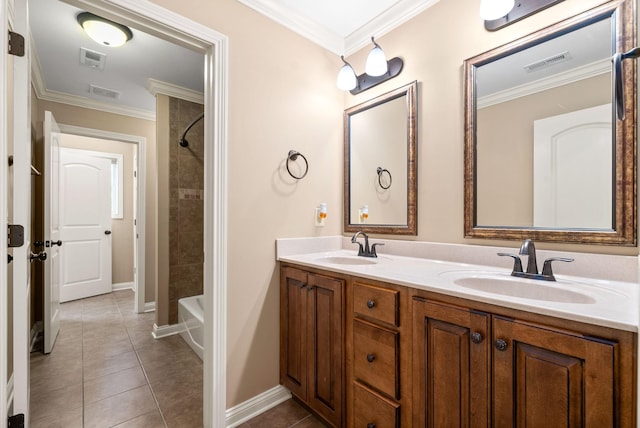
[
  {"x": 15, "y": 236},
  {"x": 16, "y": 421},
  {"x": 16, "y": 44}
]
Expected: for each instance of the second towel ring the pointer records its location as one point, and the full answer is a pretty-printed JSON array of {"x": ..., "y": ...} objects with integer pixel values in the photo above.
[
  {"x": 293, "y": 156},
  {"x": 381, "y": 171}
]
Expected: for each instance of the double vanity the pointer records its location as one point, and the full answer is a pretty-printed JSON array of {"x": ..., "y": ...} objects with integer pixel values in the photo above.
[{"x": 395, "y": 341}]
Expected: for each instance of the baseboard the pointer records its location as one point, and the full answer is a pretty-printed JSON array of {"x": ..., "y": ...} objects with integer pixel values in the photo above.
[
  {"x": 166, "y": 330},
  {"x": 123, "y": 286},
  {"x": 254, "y": 406},
  {"x": 36, "y": 330},
  {"x": 149, "y": 307}
]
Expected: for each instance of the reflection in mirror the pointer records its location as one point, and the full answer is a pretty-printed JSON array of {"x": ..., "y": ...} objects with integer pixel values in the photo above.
[
  {"x": 380, "y": 164},
  {"x": 544, "y": 158}
]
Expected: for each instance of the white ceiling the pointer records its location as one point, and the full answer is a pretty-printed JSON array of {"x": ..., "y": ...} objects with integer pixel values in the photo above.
[{"x": 340, "y": 26}]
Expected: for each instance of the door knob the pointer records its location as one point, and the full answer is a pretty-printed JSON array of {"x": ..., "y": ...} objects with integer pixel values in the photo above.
[
  {"x": 42, "y": 256},
  {"x": 107, "y": 232}
]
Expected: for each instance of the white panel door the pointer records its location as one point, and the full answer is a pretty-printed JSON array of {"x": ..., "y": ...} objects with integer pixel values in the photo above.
[
  {"x": 573, "y": 170},
  {"x": 51, "y": 232},
  {"x": 85, "y": 214}
]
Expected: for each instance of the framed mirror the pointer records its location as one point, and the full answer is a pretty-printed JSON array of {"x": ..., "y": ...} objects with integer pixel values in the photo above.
[
  {"x": 545, "y": 157},
  {"x": 380, "y": 190}
]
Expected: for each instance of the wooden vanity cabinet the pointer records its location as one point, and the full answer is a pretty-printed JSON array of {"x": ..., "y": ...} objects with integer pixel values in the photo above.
[
  {"x": 451, "y": 366},
  {"x": 477, "y": 369},
  {"x": 311, "y": 340},
  {"x": 378, "y": 355}
]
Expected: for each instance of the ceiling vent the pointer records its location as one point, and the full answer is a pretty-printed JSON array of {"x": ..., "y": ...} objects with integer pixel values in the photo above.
[
  {"x": 92, "y": 59},
  {"x": 104, "y": 92},
  {"x": 555, "y": 59}
]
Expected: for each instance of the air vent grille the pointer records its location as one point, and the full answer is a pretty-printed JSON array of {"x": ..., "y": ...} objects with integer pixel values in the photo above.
[
  {"x": 554, "y": 59},
  {"x": 104, "y": 92},
  {"x": 92, "y": 59}
]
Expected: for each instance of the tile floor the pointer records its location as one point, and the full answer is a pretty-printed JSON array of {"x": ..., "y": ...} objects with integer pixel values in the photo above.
[{"x": 107, "y": 371}]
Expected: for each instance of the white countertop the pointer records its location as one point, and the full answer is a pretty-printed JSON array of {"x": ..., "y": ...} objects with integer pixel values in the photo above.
[{"x": 600, "y": 302}]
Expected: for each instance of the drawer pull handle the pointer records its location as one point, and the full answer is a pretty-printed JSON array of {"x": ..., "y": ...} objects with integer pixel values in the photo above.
[
  {"x": 371, "y": 358},
  {"x": 476, "y": 337},
  {"x": 371, "y": 425},
  {"x": 371, "y": 304},
  {"x": 501, "y": 345}
]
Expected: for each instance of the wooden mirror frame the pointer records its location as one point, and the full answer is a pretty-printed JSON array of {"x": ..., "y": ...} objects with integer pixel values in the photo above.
[
  {"x": 411, "y": 227},
  {"x": 624, "y": 231}
]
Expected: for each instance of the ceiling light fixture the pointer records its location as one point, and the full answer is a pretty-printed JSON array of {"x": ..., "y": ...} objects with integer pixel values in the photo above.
[
  {"x": 104, "y": 31},
  {"x": 377, "y": 70},
  {"x": 494, "y": 9}
]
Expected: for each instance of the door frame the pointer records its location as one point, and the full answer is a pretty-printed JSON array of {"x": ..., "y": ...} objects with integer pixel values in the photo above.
[
  {"x": 139, "y": 205},
  {"x": 170, "y": 26}
]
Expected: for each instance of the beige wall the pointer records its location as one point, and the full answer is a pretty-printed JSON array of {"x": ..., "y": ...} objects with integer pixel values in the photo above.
[
  {"x": 70, "y": 115},
  {"x": 122, "y": 228},
  {"x": 282, "y": 96}
]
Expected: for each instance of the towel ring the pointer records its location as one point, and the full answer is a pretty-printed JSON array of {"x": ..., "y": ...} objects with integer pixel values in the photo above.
[
  {"x": 381, "y": 171},
  {"x": 293, "y": 156}
]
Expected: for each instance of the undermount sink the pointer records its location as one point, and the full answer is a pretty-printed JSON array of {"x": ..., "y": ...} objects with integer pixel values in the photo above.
[
  {"x": 347, "y": 260},
  {"x": 506, "y": 285}
]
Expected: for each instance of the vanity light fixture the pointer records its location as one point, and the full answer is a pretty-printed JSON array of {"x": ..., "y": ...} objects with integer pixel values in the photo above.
[
  {"x": 494, "y": 9},
  {"x": 377, "y": 70},
  {"x": 104, "y": 31},
  {"x": 500, "y": 13}
]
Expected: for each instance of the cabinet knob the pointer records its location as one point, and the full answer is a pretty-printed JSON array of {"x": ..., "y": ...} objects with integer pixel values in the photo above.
[
  {"x": 309, "y": 288},
  {"x": 476, "y": 337},
  {"x": 371, "y": 303},
  {"x": 501, "y": 345},
  {"x": 371, "y": 425},
  {"x": 371, "y": 357}
]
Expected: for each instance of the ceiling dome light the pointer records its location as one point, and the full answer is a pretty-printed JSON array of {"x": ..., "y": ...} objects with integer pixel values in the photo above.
[
  {"x": 494, "y": 9},
  {"x": 376, "y": 64},
  {"x": 104, "y": 31},
  {"x": 347, "y": 79}
]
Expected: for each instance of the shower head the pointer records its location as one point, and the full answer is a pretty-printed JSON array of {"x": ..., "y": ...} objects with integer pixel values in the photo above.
[{"x": 183, "y": 141}]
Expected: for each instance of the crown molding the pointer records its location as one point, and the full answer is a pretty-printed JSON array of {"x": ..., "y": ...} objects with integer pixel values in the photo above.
[
  {"x": 579, "y": 73},
  {"x": 385, "y": 23},
  {"x": 156, "y": 87},
  {"x": 382, "y": 24},
  {"x": 298, "y": 24}
]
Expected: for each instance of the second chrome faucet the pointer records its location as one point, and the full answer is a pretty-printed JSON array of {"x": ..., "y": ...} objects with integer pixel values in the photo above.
[{"x": 528, "y": 249}]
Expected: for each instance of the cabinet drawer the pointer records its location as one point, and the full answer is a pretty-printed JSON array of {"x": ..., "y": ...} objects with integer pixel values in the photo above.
[
  {"x": 376, "y": 302},
  {"x": 375, "y": 357},
  {"x": 372, "y": 410}
]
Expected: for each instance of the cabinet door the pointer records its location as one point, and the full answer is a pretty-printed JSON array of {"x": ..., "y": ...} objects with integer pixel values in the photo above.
[
  {"x": 293, "y": 331},
  {"x": 451, "y": 349},
  {"x": 325, "y": 346},
  {"x": 552, "y": 379}
]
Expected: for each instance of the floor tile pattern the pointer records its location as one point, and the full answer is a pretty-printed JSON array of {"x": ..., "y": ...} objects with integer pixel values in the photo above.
[{"x": 106, "y": 370}]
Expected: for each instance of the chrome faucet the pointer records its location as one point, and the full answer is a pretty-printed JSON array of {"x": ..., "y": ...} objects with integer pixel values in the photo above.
[
  {"x": 529, "y": 249},
  {"x": 365, "y": 251}
]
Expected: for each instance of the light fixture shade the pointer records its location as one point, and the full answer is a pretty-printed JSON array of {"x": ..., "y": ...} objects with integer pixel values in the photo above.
[
  {"x": 494, "y": 9},
  {"x": 104, "y": 31},
  {"x": 376, "y": 64},
  {"x": 347, "y": 79}
]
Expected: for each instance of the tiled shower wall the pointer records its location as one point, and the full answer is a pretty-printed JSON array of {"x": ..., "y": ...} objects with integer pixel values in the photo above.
[{"x": 186, "y": 205}]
